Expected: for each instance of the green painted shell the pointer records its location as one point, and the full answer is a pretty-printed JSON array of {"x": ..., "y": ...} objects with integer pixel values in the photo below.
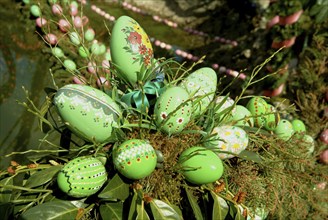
[
  {"x": 135, "y": 159},
  {"x": 284, "y": 129},
  {"x": 258, "y": 108},
  {"x": 130, "y": 48},
  {"x": 200, "y": 165},
  {"x": 242, "y": 117},
  {"x": 173, "y": 100},
  {"x": 88, "y": 112},
  {"x": 298, "y": 125},
  {"x": 202, "y": 82},
  {"x": 271, "y": 119},
  {"x": 82, "y": 177}
]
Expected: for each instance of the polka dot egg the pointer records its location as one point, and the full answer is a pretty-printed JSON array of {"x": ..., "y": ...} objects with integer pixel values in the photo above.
[
  {"x": 135, "y": 159},
  {"x": 228, "y": 138},
  {"x": 82, "y": 176}
]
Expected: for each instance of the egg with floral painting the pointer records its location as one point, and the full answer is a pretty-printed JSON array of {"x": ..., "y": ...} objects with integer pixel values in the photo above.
[
  {"x": 130, "y": 48},
  {"x": 88, "y": 112},
  {"x": 230, "y": 139},
  {"x": 173, "y": 110},
  {"x": 135, "y": 158},
  {"x": 201, "y": 86}
]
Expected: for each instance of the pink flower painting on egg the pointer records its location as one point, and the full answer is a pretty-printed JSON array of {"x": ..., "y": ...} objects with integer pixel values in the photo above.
[{"x": 138, "y": 44}]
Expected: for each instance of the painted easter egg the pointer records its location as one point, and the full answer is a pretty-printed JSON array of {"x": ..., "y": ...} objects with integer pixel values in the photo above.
[
  {"x": 82, "y": 176},
  {"x": 228, "y": 138},
  {"x": 56, "y": 51},
  {"x": 83, "y": 52},
  {"x": 69, "y": 65},
  {"x": 130, "y": 48},
  {"x": 298, "y": 126},
  {"x": 272, "y": 118},
  {"x": 258, "y": 108},
  {"x": 74, "y": 38},
  {"x": 89, "y": 35},
  {"x": 88, "y": 112},
  {"x": 200, "y": 165},
  {"x": 200, "y": 84},
  {"x": 173, "y": 100},
  {"x": 223, "y": 108},
  {"x": 135, "y": 159},
  {"x": 35, "y": 10},
  {"x": 284, "y": 129},
  {"x": 242, "y": 116},
  {"x": 309, "y": 142}
]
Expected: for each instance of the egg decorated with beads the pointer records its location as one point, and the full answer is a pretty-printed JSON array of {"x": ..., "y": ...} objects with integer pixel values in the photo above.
[
  {"x": 242, "y": 117},
  {"x": 135, "y": 158},
  {"x": 224, "y": 108},
  {"x": 258, "y": 108},
  {"x": 284, "y": 129},
  {"x": 200, "y": 165},
  {"x": 88, "y": 112},
  {"x": 201, "y": 86},
  {"x": 272, "y": 118},
  {"x": 231, "y": 139},
  {"x": 172, "y": 110},
  {"x": 130, "y": 48},
  {"x": 82, "y": 177}
]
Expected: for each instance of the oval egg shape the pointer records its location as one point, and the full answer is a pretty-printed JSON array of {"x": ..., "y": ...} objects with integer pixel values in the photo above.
[
  {"x": 242, "y": 117},
  {"x": 88, "y": 112},
  {"x": 172, "y": 112},
  {"x": 82, "y": 176},
  {"x": 200, "y": 84},
  {"x": 272, "y": 118},
  {"x": 228, "y": 138},
  {"x": 130, "y": 48},
  {"x": 200, "y": 165},
  {"x": 135, "y": 159},
  {"x": 258, "y": 108},
  {"x": 284, "y": 129}
]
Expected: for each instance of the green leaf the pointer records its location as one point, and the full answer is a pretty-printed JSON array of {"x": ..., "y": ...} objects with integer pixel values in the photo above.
[
  {"x": 194, "y": 205},
  {"x": 162, "y": 210},
  {"x": 6, "y": 210},
  {"x": 239, "y": 214},
  {"x": 5, "y": 194},
  {"x": 115, "y": 189},
  {"x": 133, "y": 205},
  {"x": 250, "y": 155},
  {"x": 41, "y": 177},
  {"x": 141, "y": 212},
  {"x": 220, "y": 207},
  {"x": 111, "y": 211},
  {"x": 55, "y": 210}
]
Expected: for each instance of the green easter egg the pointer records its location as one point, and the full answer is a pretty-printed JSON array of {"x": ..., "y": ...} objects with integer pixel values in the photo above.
[
  {"x": 231, "y": 139},
  {"x": 130, "y": 48},
  {"x": 102, "y": 48},
  {"x": 201, "y": 86},
  {"x": 135, "y": 159},
  {"x": 82, "y": 177},
  {"x": 26, "y": 1},
  {"x": 35, "y": 10},
  {"x": 75, "y": 3},
  {"x": 88, "y": 112},
  {"x": 89, "y": 35},
  {"x": 200, "y": 165},
  {"x": 74, "y": 38},
  {"x": 242, "y": 116},
  {"x": 309, "y": 141},
  {"x": 258, "y": 108},
  {"x": 84, "y": 52},
  {"x": 168, "y": 102},
  {"x": 56, "y": 51},
  {"x": 69, "y": 65},
  {"x": 272, "y": 118},
  {"x": 284, "y": 129},
  {"x": 298, "y": 125},
  {"x": 223, "y": 108}
]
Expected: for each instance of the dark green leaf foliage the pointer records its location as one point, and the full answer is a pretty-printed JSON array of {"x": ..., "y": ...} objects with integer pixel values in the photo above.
[
  {"x": 6, "y": 210},
  {"x": 111, "y": 211},
  {"x": 55, "y": 210},
  {"x": 194, "y": 205},
  {"x": 115, "y": 189},
  {"x": 133, "y": 206},
  {"x": 5, "y": 194},
  {"x": 42, "y": 177},
  {"x": 220, "y": 207},
  {"x": 162, "y": 210}
]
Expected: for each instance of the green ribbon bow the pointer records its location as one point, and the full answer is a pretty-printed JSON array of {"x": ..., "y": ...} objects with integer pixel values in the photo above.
[{"x": 139, "y": 98}]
